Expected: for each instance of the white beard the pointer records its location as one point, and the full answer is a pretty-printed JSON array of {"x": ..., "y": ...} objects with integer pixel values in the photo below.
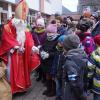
[{"x": 20, "y": 26}]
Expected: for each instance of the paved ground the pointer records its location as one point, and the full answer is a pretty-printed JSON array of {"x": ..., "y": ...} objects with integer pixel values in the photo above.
[{"x": 35, "y": 92}]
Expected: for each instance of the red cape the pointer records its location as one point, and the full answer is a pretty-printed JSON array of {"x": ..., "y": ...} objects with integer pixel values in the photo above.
[{"x": 21, "y": 63}]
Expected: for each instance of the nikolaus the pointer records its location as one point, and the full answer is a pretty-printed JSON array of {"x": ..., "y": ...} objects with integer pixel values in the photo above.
[{"x": 18, "y": 50}]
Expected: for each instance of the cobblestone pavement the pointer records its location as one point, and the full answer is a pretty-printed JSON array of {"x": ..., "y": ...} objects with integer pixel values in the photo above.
[{"x": 35, "y": 92}]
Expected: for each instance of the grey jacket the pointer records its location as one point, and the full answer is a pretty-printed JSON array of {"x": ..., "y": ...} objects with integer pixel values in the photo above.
[{"x": 73, "y": 69}]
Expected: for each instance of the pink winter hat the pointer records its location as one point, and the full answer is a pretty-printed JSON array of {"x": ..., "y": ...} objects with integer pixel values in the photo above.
[{"x": 51, "y": 28}]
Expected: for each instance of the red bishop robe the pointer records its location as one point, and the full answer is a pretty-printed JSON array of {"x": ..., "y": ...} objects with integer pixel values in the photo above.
[{"x": 21, "y": 63}]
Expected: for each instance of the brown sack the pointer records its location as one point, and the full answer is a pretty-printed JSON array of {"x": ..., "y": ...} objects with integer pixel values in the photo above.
[{"x": 5, "y": 90}]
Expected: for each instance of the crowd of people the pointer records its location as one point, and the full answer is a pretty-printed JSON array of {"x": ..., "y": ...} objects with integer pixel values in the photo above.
[{"x": 64, "y": 53}]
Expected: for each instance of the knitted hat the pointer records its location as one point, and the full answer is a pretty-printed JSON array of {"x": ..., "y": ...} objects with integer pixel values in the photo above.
[
  {"x": 51, "y": 28},
  {"x": 41, "y": 22},
  {"x": 97, "y": 39},
  {"x": 87, "y": 14},
  {"x": 61, "y": 38},
  {"x": 71, "y": 41}
]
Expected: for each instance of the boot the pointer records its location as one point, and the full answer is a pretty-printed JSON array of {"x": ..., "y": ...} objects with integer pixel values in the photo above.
[
  {"x": 48, "y": 85},
  {"x": 51, "y": 94},
  {"x": 38, "y": 79},
  {"x": 39, "y": 76},
  {"x": 43, "y": 78},
  {"x": 53, "y": 89},
  {"x": 45, "y": 84},
  {"x": 58, "y": 98},
  {"x": 39, "y": 70},
  {"x": 45, "y": 92}
]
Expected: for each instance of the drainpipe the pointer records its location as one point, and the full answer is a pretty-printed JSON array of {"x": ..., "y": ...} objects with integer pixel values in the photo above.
[
  {"x": 42, "y": 5},
  {"x": 0, "y": 13},
  {"x": 9, "y": 15}
]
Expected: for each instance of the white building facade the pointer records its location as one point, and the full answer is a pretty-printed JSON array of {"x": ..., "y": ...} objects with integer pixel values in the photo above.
[
  {"x": 53, "y": 6},
  {"x": 49, "y": 7}
]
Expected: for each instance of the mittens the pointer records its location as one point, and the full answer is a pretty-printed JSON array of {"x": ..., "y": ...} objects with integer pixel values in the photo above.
[{"x": 35, "y": 49}]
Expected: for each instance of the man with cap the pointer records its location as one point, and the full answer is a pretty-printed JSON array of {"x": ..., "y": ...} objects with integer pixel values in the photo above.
[
  {"x": 18, "y": 51},
  {"x": 73, "y": 68}
]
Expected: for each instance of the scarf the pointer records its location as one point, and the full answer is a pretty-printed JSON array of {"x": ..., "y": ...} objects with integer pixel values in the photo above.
[{"x": 39, "y": 31}]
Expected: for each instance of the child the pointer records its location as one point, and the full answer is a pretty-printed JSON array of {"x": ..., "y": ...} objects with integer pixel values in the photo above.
[
  {"x": 94, "y": 69},
  {"x": 39, "y": 37},
  {"x": 57, "y": 70},
  {"x": 85, "y": 36},
  {"x": 74, "y": 69},
  {"x": 48, "y": 51}
]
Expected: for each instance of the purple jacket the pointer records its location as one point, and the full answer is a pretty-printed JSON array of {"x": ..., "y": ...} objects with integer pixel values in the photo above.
[{"x": 39, "y": 38}]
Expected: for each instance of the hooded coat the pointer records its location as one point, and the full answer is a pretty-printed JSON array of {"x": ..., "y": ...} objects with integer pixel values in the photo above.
[{"x": 73, "y": 88}]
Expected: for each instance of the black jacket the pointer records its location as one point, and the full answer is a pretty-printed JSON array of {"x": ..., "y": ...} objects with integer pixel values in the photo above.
[
  {"x": 57, "y": 67},
  {"x": 50, "y": 48}
]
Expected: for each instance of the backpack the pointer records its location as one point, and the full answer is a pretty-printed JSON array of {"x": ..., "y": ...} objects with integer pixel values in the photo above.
[{"x": 88, "y": 44}]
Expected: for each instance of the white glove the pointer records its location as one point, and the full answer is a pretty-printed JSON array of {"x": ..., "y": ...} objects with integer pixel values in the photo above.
[
  {"x": 22, "y": 49},
  {"x": 12, "y": 51},
  {"x": 35, "y": 49},
  {"x": 39, "y": 46},
  {"x": 44, "y": 55},
  {"x": 16, "y": 47}
]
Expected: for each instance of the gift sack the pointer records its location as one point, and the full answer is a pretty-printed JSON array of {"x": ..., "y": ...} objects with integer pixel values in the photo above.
[{"x": 5, "y": 90}]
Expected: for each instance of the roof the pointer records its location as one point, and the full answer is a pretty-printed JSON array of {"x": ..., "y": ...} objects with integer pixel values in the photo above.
[{"x": 65, "y": 10}]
